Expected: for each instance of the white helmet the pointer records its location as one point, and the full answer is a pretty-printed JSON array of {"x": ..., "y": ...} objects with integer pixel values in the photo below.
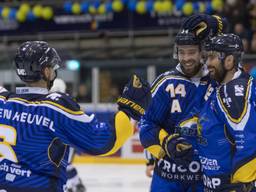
[{"x": 58, "y": 86}]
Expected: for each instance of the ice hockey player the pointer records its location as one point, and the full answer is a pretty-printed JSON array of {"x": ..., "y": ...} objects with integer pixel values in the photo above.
[
  {"x": 172, "y": 115},
  {"x": 37, "y": 127},
  {"x": 227, "y": 131}
]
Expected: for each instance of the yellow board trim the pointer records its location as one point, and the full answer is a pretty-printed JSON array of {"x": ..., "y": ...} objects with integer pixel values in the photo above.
[
  {"x": 246, "y": 173},
  {"x": 238, "y": 120},
  {"x": 48, "y": 102},
  {"x": 124, "y": 130},
  {"x": 107, "y": 160}
]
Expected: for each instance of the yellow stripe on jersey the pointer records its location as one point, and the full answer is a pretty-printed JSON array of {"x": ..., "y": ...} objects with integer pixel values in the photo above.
[
  {"x": 156, "y": 151},
  {"x": 2, "y": 97},
  {"x": 246, "y": 173},
  {"x": 48, "y": 102},
  {"x": 227, "y": 136},
  {"x": 64, "y": 108},
  {"x": 154, "y": 87},
  {"x": 237, "y": 120},
  {"x": 124, "y": 130},
  {"x": 162, "y": 134}
]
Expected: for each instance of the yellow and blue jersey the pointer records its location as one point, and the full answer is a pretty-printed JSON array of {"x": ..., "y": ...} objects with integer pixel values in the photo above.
[
  {"x": 37, "y": 129},
  {"x": 227, "y": 135},
  {"x": 176, "y": 101}
]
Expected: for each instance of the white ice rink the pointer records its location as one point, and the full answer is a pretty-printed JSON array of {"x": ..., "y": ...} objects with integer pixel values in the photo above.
[{"x": 114, "y": 178}]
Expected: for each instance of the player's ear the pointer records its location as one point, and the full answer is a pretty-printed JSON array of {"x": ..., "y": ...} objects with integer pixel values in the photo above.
[
  {"x": 47, "y": 72},
  {"x": 229, "y": 62}
]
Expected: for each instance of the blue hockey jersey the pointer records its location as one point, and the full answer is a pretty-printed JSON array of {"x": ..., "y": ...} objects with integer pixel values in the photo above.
[
  {"x": 175, "y": 104},
  {"x": 227, "y": 135},
  {"x": 37, "y": 129}
]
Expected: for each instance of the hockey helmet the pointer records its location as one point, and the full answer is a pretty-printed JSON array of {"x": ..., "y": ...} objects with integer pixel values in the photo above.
[
  {"x": 32, "y": 57},
  {"x": 226, "y": 44},
  {"x": 184, "y": 37}
]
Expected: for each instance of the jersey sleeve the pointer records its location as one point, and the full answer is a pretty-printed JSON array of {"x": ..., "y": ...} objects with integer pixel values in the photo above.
[
  {"x": 152, "y": 132},
  {"x": 85, "y": 132},
  {"x": 236, "y": 102}
]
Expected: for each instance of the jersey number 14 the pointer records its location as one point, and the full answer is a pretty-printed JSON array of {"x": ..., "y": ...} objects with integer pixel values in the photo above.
[{"x": 174, "y": 91}]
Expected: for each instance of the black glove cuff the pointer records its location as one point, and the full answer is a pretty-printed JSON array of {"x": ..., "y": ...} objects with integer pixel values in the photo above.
[
  {"x": 130, "y": 113},
  {"x": 150, "y": 162}
]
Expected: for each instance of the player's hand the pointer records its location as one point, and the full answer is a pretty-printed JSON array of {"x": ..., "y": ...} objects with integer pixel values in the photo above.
[
  {"x": 135, "y": 98},
  {"x": 178, "y": 149},
  {"x": 149, "y": 170},
  {"x": 204, "y": 25}
]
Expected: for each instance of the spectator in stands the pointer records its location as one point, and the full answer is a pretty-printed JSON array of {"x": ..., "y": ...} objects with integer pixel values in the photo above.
[
  {"x": 253, "y": 43},
  {"x": 252, "y": 15},
  {"x": 83, "y": 95},
  {"x": 113, "y": 94},
  {"x": 243, "y": 33}
]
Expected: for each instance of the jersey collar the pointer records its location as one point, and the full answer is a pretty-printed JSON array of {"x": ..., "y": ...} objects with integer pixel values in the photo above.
[
  {"x": 237, "y": 74},
  {"x": 196, "y": 79},
  {"x": 31, "y": 90}
]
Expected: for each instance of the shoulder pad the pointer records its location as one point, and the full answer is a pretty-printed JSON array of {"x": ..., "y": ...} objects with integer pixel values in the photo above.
[
  {"x": 2, "y": 90},
  {"x": 4, "y": 93},
  {"x": 233, "y": 97},
  {"x": 62, "y": 100}
]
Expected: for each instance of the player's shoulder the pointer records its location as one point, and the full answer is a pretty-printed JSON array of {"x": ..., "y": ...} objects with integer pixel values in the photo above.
[
  {"x": 3, "y": 90},
  {"x": 62, "y": 101},
  {"x": 4, "y": 93},
  {"x": 173, "y": 76},
  {"x": 233, "y": 96},
  {"x": 237, "y": 88}
]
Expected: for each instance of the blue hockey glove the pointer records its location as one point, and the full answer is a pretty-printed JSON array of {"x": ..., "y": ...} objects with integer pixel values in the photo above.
[
  {"x": 178, "y": 149},
  {"x": 135, "y": 98},
  {"x": 204, "y": 25}
]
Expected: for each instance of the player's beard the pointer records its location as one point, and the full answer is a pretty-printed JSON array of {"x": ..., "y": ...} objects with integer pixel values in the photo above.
[
  {"x": 190, "y": 68},
  {"x": 217, "y": 73}
]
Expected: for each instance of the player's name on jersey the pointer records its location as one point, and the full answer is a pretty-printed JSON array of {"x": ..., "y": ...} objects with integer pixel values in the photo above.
[{"x": 29, "y": 118}]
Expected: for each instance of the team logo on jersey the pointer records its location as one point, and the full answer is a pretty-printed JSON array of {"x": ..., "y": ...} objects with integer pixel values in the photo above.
[
  {"x": 239, "y": 90},
  {"x": 188, "y": 127},
  {"x": 54, "y": 96},
  {"x": 200, "y": 139}
]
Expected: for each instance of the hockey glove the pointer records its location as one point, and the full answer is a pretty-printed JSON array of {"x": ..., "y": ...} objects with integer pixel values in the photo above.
[
  {"x": 135, "y": 98},
  {"x": 178, "y": 149},
  {"x": 204, "y": 25}
]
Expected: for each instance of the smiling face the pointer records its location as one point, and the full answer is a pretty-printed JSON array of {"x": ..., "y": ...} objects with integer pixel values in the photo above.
[
  {"x": 214, "y": 66},
  {"x": 189, "y": 57}
]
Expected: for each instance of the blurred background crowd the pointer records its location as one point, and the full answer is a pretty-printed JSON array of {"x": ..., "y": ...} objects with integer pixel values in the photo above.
[{"x": 102, "y": 42}]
